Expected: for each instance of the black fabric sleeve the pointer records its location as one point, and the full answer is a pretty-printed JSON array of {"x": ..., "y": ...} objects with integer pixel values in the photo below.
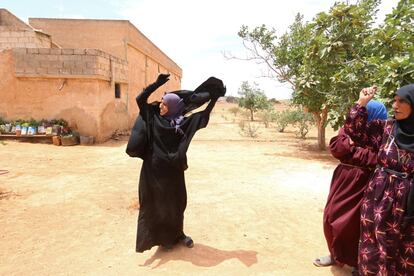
[{"x": 202, "y": 118}]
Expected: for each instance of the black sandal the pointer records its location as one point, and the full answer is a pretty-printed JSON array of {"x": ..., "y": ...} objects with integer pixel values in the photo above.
[{"x": 187, "y": 241}]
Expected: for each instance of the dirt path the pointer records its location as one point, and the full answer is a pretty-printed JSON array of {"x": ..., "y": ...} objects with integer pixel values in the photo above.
[{"x": 254, "y": 208}]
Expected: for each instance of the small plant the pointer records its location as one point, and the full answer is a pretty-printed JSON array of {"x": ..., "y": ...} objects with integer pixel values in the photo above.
[
  {"x": 303, "y": 121},
  {"x": 282, "y": 119},
  {"x": 242, "y": 125},
  {"x": 234, "y": 110},
  {"x": 250, "y": 130},
  {"x": 268, "y": 116}
]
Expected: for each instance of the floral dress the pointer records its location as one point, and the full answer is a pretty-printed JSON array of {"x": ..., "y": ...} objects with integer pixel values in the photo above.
[{"x": 386, "y": 245}]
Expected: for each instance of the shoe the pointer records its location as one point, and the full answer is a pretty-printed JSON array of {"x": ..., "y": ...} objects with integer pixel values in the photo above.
[
  {"x": 323, "y": 261},
  {"x": 187, "y": 241}
]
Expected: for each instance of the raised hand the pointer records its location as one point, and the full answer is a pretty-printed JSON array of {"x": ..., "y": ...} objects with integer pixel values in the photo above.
[
  {"x": 162, "y": 78},
  {"x": 366, "y": 94}
]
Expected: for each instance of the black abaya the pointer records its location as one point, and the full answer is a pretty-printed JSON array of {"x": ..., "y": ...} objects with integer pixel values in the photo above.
[{"x": 162, "y": 191}]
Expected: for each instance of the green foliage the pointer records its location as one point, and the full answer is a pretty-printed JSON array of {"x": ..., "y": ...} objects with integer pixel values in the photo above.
[
  {"x": 328, "y": 60},
  {"x": 234, "y": 110},
  {"x": 297, "y": 118},
  {"x": 335, "y": 68},
  {"x": 268, "y": 116},
  {"x": 283, "y": 119},
  {"x": 252, "y": 99},
  {"x": 302, "y": 121},
  {"x": 249, "y": 129},
  {"x": 392, "y": 50}
]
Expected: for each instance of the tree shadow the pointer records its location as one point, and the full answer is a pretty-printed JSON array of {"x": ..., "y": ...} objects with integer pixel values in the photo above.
[{"x": 200, "y": 255}]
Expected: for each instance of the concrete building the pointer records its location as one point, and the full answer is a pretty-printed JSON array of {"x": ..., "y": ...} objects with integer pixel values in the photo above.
[{"x": 85, "y": 71}]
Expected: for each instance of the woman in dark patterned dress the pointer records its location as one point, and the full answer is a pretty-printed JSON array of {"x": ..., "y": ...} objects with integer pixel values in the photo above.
[
  {"x": 386, "y": 244},
  {"x": 350, "y": 178}
]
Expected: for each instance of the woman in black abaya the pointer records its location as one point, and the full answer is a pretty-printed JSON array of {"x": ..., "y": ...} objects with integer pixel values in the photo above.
[{"x": 162, "y": 191}]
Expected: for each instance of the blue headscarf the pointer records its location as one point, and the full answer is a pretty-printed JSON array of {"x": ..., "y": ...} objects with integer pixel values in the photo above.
[{"x": 376, "y": 111}]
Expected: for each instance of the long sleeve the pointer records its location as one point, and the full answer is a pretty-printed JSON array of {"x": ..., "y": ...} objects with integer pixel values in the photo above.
[
  {"x": 341, "y": 149},
  {"x": 142, "y": 99},
  {"x": 204, "y": 116},
  {"x": 364, "y": 134},
  {"x": 364, "y": 157},
  {"x": 339, "y": 145}
]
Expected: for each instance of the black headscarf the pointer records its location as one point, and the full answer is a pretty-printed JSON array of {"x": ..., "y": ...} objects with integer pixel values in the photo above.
[{"x": 404, "y": 129}]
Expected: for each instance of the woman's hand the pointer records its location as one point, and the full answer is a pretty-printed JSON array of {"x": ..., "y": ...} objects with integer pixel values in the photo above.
[
  {"x": 366, "y": 95},
  {"x": 162, "y": 78}
]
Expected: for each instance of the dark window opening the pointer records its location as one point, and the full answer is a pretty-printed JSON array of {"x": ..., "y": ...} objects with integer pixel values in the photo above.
[{"x": 117, "y": 90}]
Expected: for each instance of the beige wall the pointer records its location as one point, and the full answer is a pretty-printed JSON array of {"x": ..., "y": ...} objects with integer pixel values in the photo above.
[
  {"x": 66, "y": 68},
  {"x": 106, "y": 35},
  {"x": 119, "y": 38},
  {"x": 89, "y": 105},
  {"x": 11, "y": 37},
  {"x": 69, "y": 63}
]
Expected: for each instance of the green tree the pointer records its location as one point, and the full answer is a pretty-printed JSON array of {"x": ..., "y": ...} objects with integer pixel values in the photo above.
[
  {"x": 392, "y": 46},
  {"x": 252, "y": 98},
  {"x": 335, "y": 66},
  {"x": 324, "y": 60}
]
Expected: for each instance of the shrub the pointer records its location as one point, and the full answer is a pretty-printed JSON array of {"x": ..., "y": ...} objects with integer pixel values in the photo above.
[
  {"x": 297, "y": 118},
  {"x": 234, "y": 110},
  {"x": 250, "y": 130}
]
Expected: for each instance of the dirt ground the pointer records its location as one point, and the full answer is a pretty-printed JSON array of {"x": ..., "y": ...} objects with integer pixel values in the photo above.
[{"x": 254, "y": 207}]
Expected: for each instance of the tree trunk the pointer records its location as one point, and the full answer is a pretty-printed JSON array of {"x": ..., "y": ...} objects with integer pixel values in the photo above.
[
  {"x": 251, "y": 115},
  {"x": 320, "y": 118}
]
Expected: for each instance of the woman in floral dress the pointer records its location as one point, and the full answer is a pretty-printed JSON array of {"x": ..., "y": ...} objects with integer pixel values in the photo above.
[{"x": 386, "y": 244}]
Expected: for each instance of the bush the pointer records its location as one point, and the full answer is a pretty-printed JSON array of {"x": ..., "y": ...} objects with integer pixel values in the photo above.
[
  {"x": 297, "y": 118},
  {"x": 250, "y": 130},
  {"x": 268, "y": 116},
  {"x": 234, "y": 110},
  {"x": 283, "y": 119},
  {"x": 303, "y": 121}
]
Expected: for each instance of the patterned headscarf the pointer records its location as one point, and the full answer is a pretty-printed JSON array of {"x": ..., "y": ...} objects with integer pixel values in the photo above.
[
  {"x": 404, "y": 129},
  {"x": 175, "y": 108},
  {"x": 376, "y": 111}
]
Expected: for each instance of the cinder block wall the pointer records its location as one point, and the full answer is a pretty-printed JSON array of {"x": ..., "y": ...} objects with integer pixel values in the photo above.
[
  {"x": 87, "y": 102},
  {"x": 13, "y": 37},
  {"x": 69, "y": 63}
]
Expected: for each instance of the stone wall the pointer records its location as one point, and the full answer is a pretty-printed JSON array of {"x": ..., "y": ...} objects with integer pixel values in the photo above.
[
  {"x": 12, "y": 37},
  {"x": 88, "y": 104},
  {"x": 69, "y": 63}
]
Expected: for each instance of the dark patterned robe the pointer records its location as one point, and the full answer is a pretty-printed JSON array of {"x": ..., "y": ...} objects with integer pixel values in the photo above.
[
  {"x": 387, "y": 227},
  {"x": 162, "y": 191},
  {"x": 342, "y": 211}
]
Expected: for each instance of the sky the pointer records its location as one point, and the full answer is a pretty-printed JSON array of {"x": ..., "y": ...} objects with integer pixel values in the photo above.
[{"x": 194, "y": 34}]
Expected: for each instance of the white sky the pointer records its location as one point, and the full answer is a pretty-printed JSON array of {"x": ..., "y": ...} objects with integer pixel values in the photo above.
[{"x": 194, "y": 33}]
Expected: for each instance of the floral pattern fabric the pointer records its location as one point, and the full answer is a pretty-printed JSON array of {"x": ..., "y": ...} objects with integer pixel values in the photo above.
[{"x": 386, "y": 245}]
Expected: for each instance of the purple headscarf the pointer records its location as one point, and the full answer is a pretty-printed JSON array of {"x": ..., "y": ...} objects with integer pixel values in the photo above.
[{"x": 175, "y": 108}]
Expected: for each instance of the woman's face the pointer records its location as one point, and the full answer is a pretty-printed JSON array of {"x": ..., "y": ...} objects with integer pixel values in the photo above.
[
  {"x": 163, "y": 108},
  {"x": 402, "y": 108}
]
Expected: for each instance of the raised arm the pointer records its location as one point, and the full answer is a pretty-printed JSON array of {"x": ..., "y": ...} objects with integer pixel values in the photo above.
[
  {"x": 357, "y": 126},
  {"x": 142, "y": 98}
]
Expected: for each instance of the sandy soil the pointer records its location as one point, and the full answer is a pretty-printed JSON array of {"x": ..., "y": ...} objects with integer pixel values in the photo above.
[{"x": 254, "y": 207}]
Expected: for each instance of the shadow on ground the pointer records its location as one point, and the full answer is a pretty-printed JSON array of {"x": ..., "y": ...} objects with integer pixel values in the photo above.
[{"x": 200, "y": 255}]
